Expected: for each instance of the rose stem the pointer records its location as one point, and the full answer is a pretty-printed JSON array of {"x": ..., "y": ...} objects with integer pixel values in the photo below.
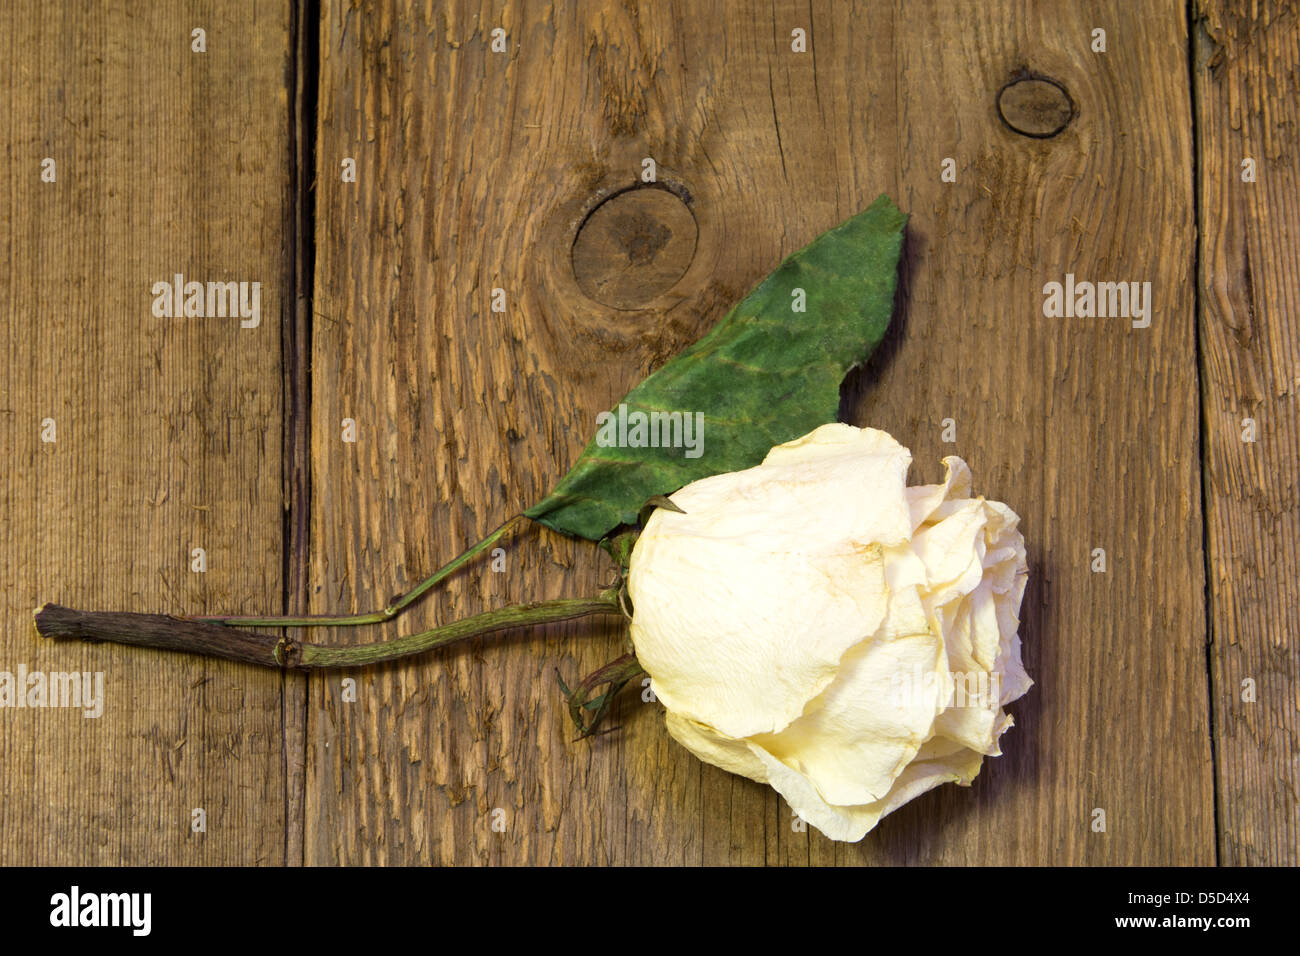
[
  {"x": 395, "y": 607},
  {"x": 267, "y": 650}
]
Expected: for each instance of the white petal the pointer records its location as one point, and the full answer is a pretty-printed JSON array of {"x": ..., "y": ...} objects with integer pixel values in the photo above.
[
  {"x": 838, "y": 483},
  {"x": 924, "y": 499},
  {"x": 736, "y": 658},
  {"x": 942, "y": 763},
  {"x": 715, "y": 589},
  {"x": 734, "y": 756},
  {"x": 855, "y": 738},
  {"x": 849, "y": 823},
  {"x": 952, "y": 549}
]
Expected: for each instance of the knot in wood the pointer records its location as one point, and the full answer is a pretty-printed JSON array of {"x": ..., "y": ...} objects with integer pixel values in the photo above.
[
  {"x": 634, "y": 247},
  {"x": 1035, "y": 106}
]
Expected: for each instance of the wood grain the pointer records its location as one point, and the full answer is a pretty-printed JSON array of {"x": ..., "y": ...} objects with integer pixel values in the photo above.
[
  {"x": 168, "y": 430},
  {"x": 1245, "y": 70}
]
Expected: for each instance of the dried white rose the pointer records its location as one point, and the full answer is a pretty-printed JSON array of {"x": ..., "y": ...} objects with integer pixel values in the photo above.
[{"x": 815, "y": 624}]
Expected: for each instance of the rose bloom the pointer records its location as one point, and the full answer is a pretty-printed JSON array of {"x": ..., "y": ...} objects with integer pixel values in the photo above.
[{"x": 814, "y": 624}]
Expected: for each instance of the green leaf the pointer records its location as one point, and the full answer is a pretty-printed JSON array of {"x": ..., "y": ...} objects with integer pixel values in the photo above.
[{"x": 765, "y": 374}]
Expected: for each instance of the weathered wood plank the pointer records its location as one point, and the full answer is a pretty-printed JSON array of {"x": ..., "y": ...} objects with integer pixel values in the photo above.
[
  {"x": 1086, "y": 426},
  {"x": 168, "y": 429},
  {"x": 1246, "y": 81},
  {"x": 475, "y": 170},
  {"x": 462, "y": 158},
  {"x": 1059, "y": 417}
]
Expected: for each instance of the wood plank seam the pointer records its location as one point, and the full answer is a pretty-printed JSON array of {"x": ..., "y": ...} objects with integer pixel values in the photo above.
[
  {"x": 303, "y": 78},
  {"x": 1197, "y": 272}
]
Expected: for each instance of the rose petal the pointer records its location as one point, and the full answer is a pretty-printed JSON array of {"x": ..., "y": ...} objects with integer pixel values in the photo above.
[
  {"x": 732, "y": 755},
  {"x": 943, "y": 764},
  {"x": 855, "y": 738},
  {"x": 924, "y": 499},
  {"x": 739, "y": 661},
  {"x": 811, "y": 522}
]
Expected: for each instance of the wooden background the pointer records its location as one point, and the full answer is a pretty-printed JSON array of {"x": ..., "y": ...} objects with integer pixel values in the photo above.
[{"x": 475, "y": 170}]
